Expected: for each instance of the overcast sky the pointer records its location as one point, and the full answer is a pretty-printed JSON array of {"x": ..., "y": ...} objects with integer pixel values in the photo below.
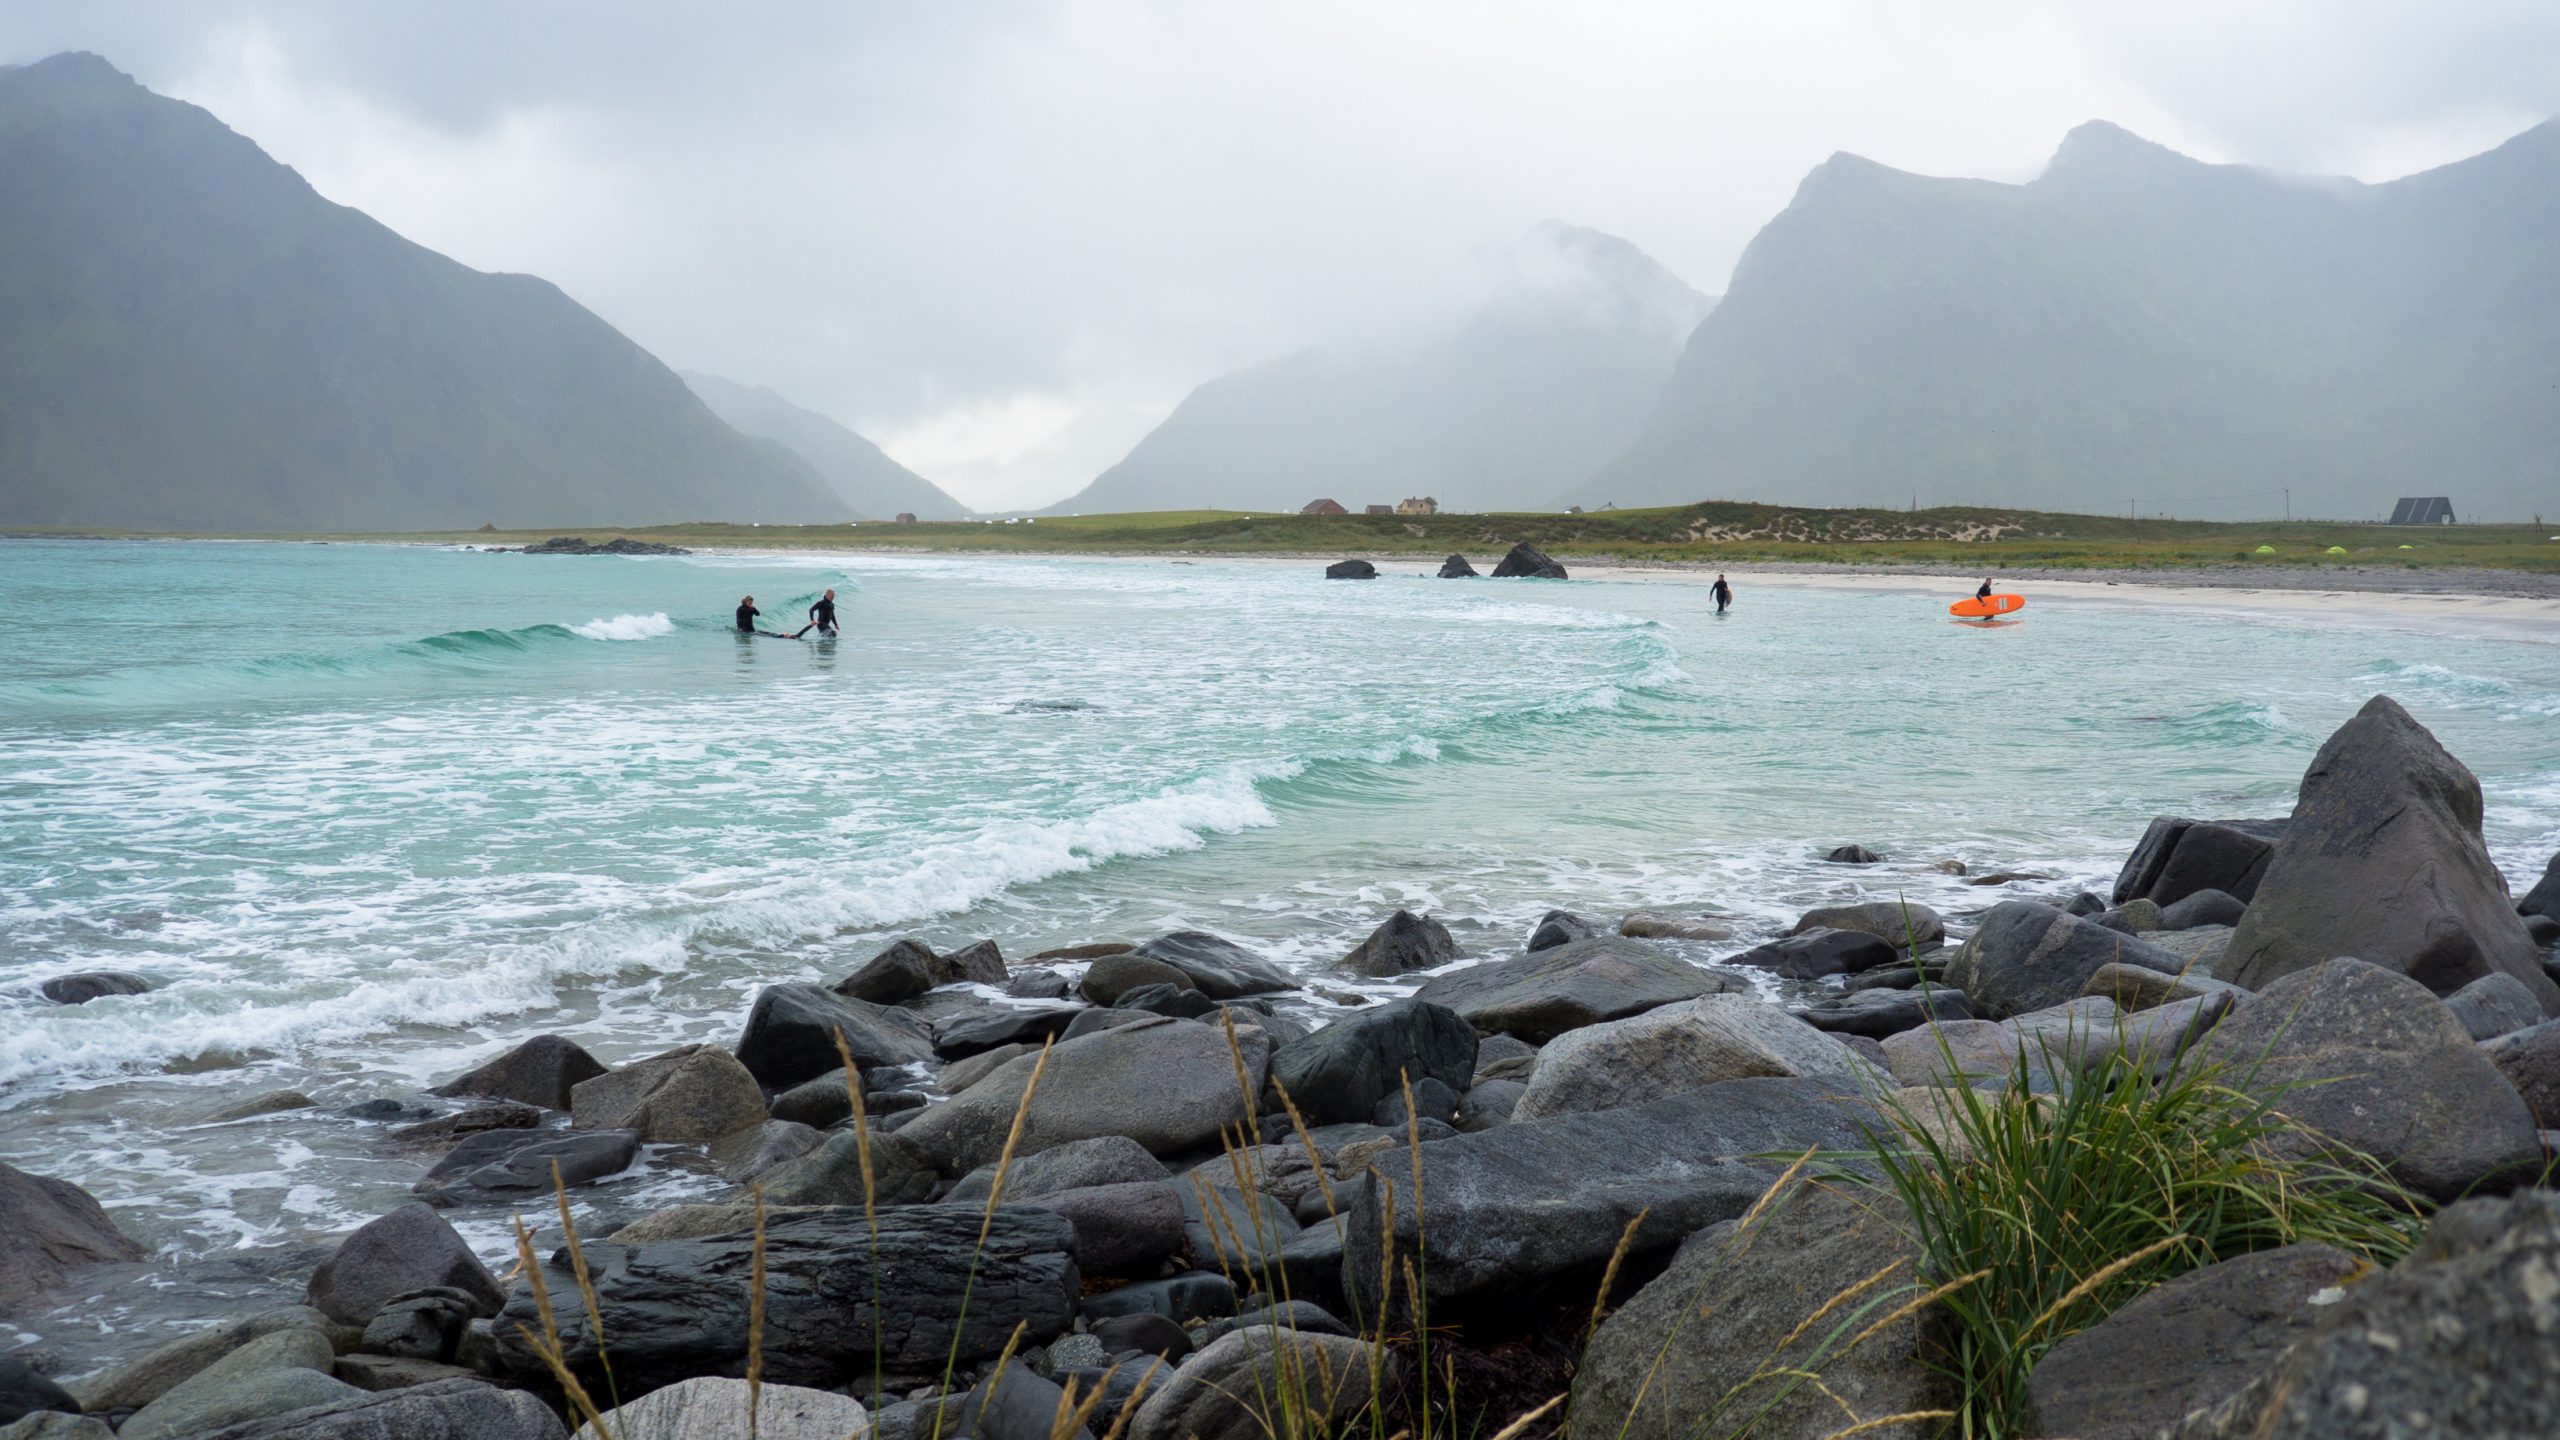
[{"x": 1004, "y": 239}]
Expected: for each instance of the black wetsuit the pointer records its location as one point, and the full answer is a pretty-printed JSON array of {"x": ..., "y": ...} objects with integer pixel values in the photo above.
[
  {"x": 823, "y": 615},
  {"x": 747, "y": 619},
  {"x": 1723, "y": 594},
  {"x": 1984, "y": 593}
]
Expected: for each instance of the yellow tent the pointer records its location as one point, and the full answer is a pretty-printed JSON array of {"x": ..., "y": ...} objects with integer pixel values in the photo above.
[
  {"x": 2266, "y": 550},
  {"x": 2337, "y": 549}
]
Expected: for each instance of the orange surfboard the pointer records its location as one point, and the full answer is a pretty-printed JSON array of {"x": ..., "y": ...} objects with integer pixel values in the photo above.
[{"x": 1995, "y": 605}]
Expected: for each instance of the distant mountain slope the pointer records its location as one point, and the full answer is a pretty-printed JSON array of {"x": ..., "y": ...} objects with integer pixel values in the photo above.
[
  {"x": 2131, "y": 326},
  {"x": 876, "y": 486},
  {"x": 1553, "y": 376},
  {"x": 191, "y": 338}
]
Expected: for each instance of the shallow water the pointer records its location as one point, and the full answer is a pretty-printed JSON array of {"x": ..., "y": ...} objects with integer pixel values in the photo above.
[{"x": 366, "y": 815}]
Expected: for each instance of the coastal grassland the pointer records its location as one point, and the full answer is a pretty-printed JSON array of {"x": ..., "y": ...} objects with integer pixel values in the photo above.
[{"x": 1715, "y": 532}]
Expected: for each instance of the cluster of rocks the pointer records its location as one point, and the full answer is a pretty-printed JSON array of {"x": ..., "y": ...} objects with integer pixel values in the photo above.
[
  {"x": 1525, "y": 561},
  {"x": 1206, "y": 1198},
  {"x": 578, "y": 545}
]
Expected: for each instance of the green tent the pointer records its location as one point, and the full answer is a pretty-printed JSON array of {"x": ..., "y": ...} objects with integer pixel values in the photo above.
[
  {"x": 2337, "y": 549},
  {"x": 2266, "y": 550}
]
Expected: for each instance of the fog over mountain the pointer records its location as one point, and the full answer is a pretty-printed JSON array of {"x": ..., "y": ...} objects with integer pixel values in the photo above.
[
  {"x": 1550, "y": 376},
  {"x": 191, "y": 338},
  {"x": 876, "y": 486},
  {"x": 2131, "y": 326}
]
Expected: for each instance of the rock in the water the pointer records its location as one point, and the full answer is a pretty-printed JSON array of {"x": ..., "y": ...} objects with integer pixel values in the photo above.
[
  {"x": 1817, "y": 953},
  {"x": 695, "y": 1094},
  {"x": 2186, "y": 1344},
  {"x": 1077, "y": 1165},
  {"x": 1037, "y": 985},
  {"x": 1559, "y": 927},
  {"x": 273, "y": 1102},
  {"x": 2179, "y": 857},
  {"x": 791, "y": 1035},
  {"x": 49, "y": 1228},
  {"x": 2376, "y": 1063},
  {"x": 91, "y": 985},
  {"x": 1170, "y": 1085},
  {"x": 1180, "y": 1002},
  {"x": 284, "y": 1371},
  {"x": 678, "y": 1308},
  {"x": 2025, "y": 956},
  {"x": 1527, "y": 561},
  {"x": 541, "y": 1071},
  {"x": 1879, "y": 1013},
  {"x": 444, "y": 1410},
  {"x": 750, "y": 1153},
  {"x": 412, "y": 1248},
  {"x": 524, "y": 1164},
  {"x": 1351, "y": 570},
  {"x": 978, "y": 963},
  {"x": 1218, "y": 967},
  {"x": 1231, "y": 1390},
  {"x": 25, "y": 1391},
  {"x": 1113, "y": 976},
  {"x": 715, "y": 1408},
  {"x": 1681, "y": 1048},
  {"x": 1341, "y": 1072},
  {"x": 139, "y": 1381},
  {"x": 1492, "y": 1201},
  {"x": 2494, "y": 1005},
  {"x": 1656, "y": 1371},
  {"x": 1647, "y": 925},
  {"x": 2205, "y": 907},
  {"x": 2455, "y": 1340},
  {"x": 1547, "y": 992},
  {"x": 1903, "y": 924},
  {"x": 2544, "y": 898},
  {"x": 831, "y": 1174},
  {"x": 2530, "y": 1059},
  {"x": 1853, "y": 855},
  {"x": 1125, "y": 1231},
  {"x": 900, "y": 973},
  {"x": 1457, "y": 568},
  {"x": 2384, "y": 861},
  {"x": 1405, "y": 943}
]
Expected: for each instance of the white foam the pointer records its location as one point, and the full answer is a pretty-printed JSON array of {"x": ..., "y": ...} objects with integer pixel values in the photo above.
[{"x": 627, "y": 627}]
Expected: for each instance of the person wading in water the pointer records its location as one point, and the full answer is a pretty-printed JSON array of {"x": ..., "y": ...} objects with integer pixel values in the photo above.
[
  {"x": 822, "y": 617},
  {"x": 1723, "y": 594}
]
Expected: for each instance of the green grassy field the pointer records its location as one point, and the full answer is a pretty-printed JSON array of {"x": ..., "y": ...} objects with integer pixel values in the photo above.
[{"x": 1714, "y": 532}]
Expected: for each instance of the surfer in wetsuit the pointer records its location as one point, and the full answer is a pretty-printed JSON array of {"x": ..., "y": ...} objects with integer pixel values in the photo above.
[
  {"x": 1985, "y": 592},
  {"x": 747, "y": 613},
  {"x": 822, "y": 617},
  {"x": 1723, "y": 594}
]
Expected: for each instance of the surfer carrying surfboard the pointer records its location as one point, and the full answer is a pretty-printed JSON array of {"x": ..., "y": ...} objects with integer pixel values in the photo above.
[
  {"x": 1723, "y": 594},
  {"x": 1985, "y": 592}
]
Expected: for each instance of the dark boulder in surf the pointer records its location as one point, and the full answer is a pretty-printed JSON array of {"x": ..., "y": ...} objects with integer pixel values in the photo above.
[
  {"x": 1527, "y": 562},
  {"x": 1351, "y": 570},
  {"x": 1406, "y": 942},
  {"x": 1457, "y": 568},
  {"x": 1853, "y": 855},
  {"x": 578, "y": 545},
  {"x": 541, "y": 1071},
  {"x": 92, "y": 985},
  {"x": 2178, "y": 857},
  {"x": 2544, "y": 898},
  {"x": 1221, "y": 968},
  {"x": 49, "y": 1228}
]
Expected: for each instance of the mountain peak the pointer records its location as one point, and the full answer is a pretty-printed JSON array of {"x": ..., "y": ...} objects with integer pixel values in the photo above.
[{"x": 2102, "y": 148}]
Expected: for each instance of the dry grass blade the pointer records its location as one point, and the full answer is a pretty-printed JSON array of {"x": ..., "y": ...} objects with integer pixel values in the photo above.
[
  {"x": 1835, "y": 1302},
  {"x": 1074, "y": 1415},
  {"x": 1907, "y": 1417},
  {"x": 1609, "y": 1276},
  {"x": 1244, "y": 1079},
  {"x": 1913, "y": 1305},
  {"x": 1307, "y": 1140},
  {"x": 755, "y": 1320},
  {"x": 2081, "y": 1291},
  {"x": 1129, "y": 1407},
  {"x": 1013, "y": 1139},
  {"x": 861, "y": 1123},
  {"x": 547, "y": 1345},
  {"x": 586, "y": 1282},
  {"x": 1513, "y": 1430}
]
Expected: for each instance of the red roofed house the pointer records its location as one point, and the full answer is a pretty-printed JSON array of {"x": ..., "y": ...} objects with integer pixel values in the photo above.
[{"x": 1324, "y": 507}]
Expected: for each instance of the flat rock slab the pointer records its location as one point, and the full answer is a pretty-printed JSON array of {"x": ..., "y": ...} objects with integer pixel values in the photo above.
[
  {"x": 1216, "y": 966},
  {"x": 1987, "y": 1053},
  {"x": 1678, "y": 1048},
  {"x": 715, "y": 1408},
  {"x": 443, "y": 1410},
  {"x": 1903, "y": 924},
  {"x": 1877, "y": 1014},
  {"x": 1582, "y": 982}
]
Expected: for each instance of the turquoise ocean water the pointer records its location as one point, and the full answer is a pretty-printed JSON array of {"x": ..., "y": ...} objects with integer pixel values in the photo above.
[{"x": 365, "y": 815}]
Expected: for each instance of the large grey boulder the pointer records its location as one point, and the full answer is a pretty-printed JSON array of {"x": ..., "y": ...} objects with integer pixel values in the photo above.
[
  {"x": 1405, "y": 942},
  {"x": 442, "y": 1410},
  {"x": 1679, "y": 1048},
  {"x": 2178, "y": 857},
  {"x": 1170, "y": 1085},
  {"x": 1876, "y": 1014},
  {"x": 2494, "y": 1005},
  {"x": 1218, "y": 967},
  {"x": 1545, "y": 993},
  {"x": 2544, "y": 897},
  {"x": 692, "y": 1095},
  {"x": 1112, "y": 976},
  {"x": 1903, "y": 924},
  {"x": 1516, "y": 1212},
  {"x": 286, "y": 1370},
  {"x": 2205, "y": 907},
  {"x": 2051, "y": 1044},
  {"x": 2369, "y": 1059},
  {"x": 1076, "y": 1165},
  {"x": 1719, "y": 1343},
  {"x": 896, "y": 975},
  {"x": 1231, "y": 1390},
  {"x": 2530, "y": 1061},
  {"x": 791, "y": 1035},
  {"x": 715, "y": 1408},
  {"x": 2186, "y": 1344},
  {"x": 2455, "y": 1340},
  {"x": 541, "y": 1071},
  {"x": 49, "y": 1228},
  {"x": 1817, "y": 953},
  {"x": 147, "y": 1377},
  {"x": 2384, "y": 861},
  {"x": 832, "y": 1174},
  {"x": 1340, "y": 1073},
  {"x": 678, "y": 1308},
  {"x": 2025, "y": 956},
  {"x": 1125, "y": 1231},
  {"x": 517, "y": 1163},
  {"x": 1527, "y": 562},
  {"x": 412, "y": 1248}
]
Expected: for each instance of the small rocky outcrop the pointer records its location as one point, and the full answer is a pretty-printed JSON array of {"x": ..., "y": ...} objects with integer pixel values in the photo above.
[
  {"x": 1113, "y": 976},
  {"x": 1341, "y": 1073},
  {"x": 1351, "y": 570},
  {"x": 1903, "y": 924},
  {"x": 896, "y": 975},
  {"x": 1545, "y": 993},
  {"x": 1854, "y": 855},
  {"x": 692, "y": 1095},
  {"x": 270, "y": 1376},
  {"x": 1457, "y": 568},
  {"x": 1560, "y": 927},
  {"x": 541, "y": 1071},
  {"x": 2178, "y": 857},
  {"x": 578, "y": 545},
  {"x": 1076, "y": 1165},
  {"x": 1879, "y": 1013},
  {"x": 1229, "y": 1391},
  {"x": 1819, "y": 952},
  {"x": 514, "y": 1164},
  {"x": 1404, "y": 943},
  {"x": 450, "y": 1409},
  {"x": 2383, "y": 861},
  {"x": 412, "y": 1248},
  {"x": 48, "y": 1229},
  {"x": 2544, "y": 898},
  {"x": 91, "y": 985},
  {"x": 1527, "y": 562},
  {"x": 1216, "y": 966},
  {"x": 791, "y": 1032}
]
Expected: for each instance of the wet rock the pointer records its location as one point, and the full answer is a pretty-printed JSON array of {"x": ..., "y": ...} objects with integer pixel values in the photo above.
[
  {"x": 1343, "y": 1071},
  {"x": 1818, "y": 953},
  {"x": 2530, "y": 1061},
  {"x": 529, "y": 1167},
  {"x": 2205, "y": 907},
  {"x": 831, "y": 1174},
  {"x": 1145, "y": 1332},
  {"x": 478, "y": 1119},
  {"x": 791, "y": 1035},
  {"x": 2384, "y": 861},
  {"x": 678, "y": 1308},
  {"x": 1077, "y": 1165},
  {"x": 1560, "y": 927},
  {"x": 959, "y": 1075},
  {"x": 1093, "y": 1022},
  {"x": 1177, "y": 1002},
  {"x": 691, "y": 1095},
  {"x": 1168, "y": 1084},
  {"x": 1113, "y": 976},
  {"x": 444, "y": 1410},
  {"x": 2025, "y": 957},
  {"x": 1195, "y": 1295},
  {"x": 1457, "y": 568},
  {"x": 412, "y": 1248},
  {"x": 979, "y": 963},
  {"x": 896, "y": 975},
  {"x": 1645, "y": 925},
  {"x": 1880, "y": 1013},
  {"x": 421, "y": 1325},
  {"x": 1432, "y": 1100},
  {"x": 1351, "y": 570},
  {"x": 139, "y": 1381},
  {"x": 1228, "y": 1391},
  {"x": 24, "y": 1391},
  {"x": 1654, "y": 1372},
  {"x": 92, "y": 985},
  {"x": 48, "y": 1229},
  {"x": 1545, "y": 993},
  {"x": 1678, "y": 1049},
  {"x": 2186, "y": 1344},
  {"x": 2376, "y": 1063},
  {"x": 2494, "y": 1005},
  {"x": 271, "y": 1375},
  {"x": 1037, "y": 985},
  {"x": 273, "y": 1102},
  {"x": 818, "y": 1103},
  {"x": 1903, "y": 924},
  {"x": 1489, "y": 1103},
  {"x": 1405, "y": 943},
  {"x": 2050, "y": 1043},
  {"x": 750, "y": 1153},
  {"x": 1094, "y": 951},
  {"x": 1218, "y": 967},
  {"x": 2178, "y": 857},
  {"x": 541, "y": 1071},
  {"x": 715, "y": 1408},
  {"x": 1854, "y": 855},
  {"x": 1527, "y": 561},
  {"x": 1122, "y": 1231},
  {"x": 998, "y": 1026}
]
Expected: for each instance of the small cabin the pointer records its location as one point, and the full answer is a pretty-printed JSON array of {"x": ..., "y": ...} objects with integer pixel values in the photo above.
[
  {"x": 1418, "y": 505},
  {"x": 1323, "y": 507},
  {"x": 2422, "y": 510},
  {"x": 1379, "y": 510},
  {"x": 906, "y": 517}
]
